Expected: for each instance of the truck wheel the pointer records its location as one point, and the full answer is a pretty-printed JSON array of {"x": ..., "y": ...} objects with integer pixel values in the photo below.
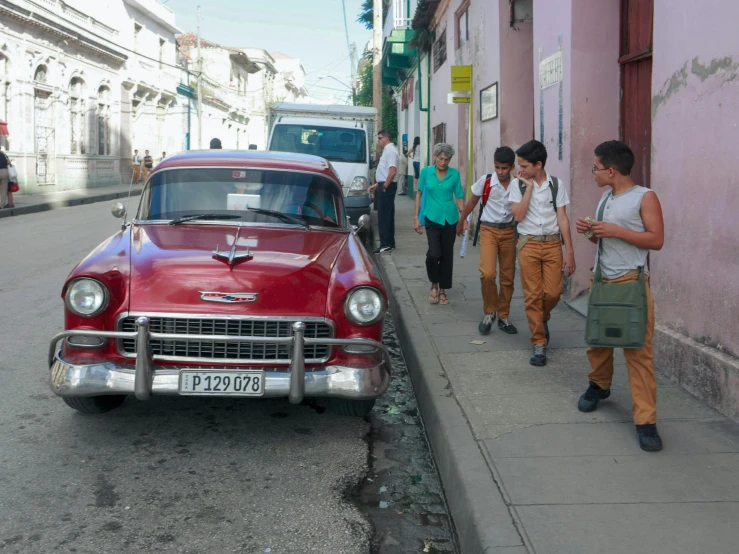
[
  {"x": 94, "y": 404},
  {"x": 351, "y": 408}
]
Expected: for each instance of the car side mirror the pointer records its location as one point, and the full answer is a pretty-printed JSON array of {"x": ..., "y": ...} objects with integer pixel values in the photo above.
[
  {"x": 118, "y": 210},
  {"x": 364, "y": 222}
]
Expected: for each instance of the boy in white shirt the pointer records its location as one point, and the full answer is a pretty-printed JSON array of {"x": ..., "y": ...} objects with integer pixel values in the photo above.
[
  {"x": 541, "y": 212},
  {"x": 497, "y": 240}
]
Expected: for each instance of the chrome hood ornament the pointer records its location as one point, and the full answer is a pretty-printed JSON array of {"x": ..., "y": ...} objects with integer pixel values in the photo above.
[{"x": 232, "y": 256}]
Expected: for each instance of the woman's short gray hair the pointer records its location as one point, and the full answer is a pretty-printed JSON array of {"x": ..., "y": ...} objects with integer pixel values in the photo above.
[{"x": 444, "y": 148}]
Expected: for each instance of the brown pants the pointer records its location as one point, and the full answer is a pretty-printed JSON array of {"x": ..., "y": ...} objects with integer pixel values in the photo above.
[
  {"x": 136, "y": 173},
  {"x": 147, "y": 170},
  {"x": 497, "y": 246},
  {"x": 541, "y": 278},
  {"x": 639, "y": 363}
]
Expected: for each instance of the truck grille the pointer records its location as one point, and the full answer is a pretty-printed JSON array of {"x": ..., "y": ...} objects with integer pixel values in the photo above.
[{"x": 226, "y": 350}]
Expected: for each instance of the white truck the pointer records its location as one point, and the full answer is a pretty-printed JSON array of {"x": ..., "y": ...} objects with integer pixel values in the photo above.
[{"x": 343, "y": 135}]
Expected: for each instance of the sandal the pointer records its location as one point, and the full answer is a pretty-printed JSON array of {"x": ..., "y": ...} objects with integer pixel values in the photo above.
[
  {"x": 434, "y": 295},
  {"x": 443, "y": 300}
]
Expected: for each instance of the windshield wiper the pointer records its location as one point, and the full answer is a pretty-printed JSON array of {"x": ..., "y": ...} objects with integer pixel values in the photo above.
[
  {"x": 287, "y": 218},
  {"x": 195, "y": 217}
]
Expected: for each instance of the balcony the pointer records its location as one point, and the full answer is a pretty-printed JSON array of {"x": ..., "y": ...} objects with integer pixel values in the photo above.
[
  {"x": 397, "y": 53},
  {"x": 399, "y": 17},
  {"x": 80, "y": 19}
]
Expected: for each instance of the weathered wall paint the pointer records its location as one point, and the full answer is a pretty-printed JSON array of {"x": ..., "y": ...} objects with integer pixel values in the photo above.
[{"x": 695, "y": 130}]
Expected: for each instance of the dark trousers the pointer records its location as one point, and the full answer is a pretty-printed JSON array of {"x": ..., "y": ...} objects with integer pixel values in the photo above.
[
  {"x": 440, "y": 255},
  {"x": 386, "y": 214}
]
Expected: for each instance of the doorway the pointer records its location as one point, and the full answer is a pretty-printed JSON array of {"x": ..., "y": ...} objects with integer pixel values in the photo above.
[{"x": 636, "y": 84}]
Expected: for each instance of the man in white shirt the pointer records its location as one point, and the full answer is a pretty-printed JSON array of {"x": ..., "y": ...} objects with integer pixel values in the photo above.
[
  {"x": 136, "y": 161},
  {"x": 497, "y": 240},
  {"x": 386, "y": 188},
  {"x": 541, "y": 212}
]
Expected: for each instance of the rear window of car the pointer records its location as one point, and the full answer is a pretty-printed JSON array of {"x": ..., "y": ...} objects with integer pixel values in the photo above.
[{"x": 175, "y": 193}]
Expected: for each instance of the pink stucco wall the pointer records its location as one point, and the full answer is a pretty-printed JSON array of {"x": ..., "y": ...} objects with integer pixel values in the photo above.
[
  {"x": 552, "y": 27},
  {"x": 695, "y": 132},
  {"x": 516, "y": 83},
  {"x": 594, "y": 105}
]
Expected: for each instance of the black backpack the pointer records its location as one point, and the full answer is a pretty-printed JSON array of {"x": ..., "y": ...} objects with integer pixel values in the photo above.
[{"x": 553, "y": 186}]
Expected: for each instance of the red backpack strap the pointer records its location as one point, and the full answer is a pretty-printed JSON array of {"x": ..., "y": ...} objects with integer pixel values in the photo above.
[{"x": 486, "y": 188}]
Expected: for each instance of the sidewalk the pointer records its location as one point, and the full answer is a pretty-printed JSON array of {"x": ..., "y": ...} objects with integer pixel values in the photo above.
[
  {"x": 522, "y": 468},
  {"x": 34, "y": 203}
]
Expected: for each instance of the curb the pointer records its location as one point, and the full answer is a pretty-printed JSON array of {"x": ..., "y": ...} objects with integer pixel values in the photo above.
[
  {"x": 66, "y": 203},
  {"x": 481, "y": 516}
]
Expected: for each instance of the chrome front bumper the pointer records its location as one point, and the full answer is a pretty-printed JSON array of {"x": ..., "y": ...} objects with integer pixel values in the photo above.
[{"x": 144, "y": 379}]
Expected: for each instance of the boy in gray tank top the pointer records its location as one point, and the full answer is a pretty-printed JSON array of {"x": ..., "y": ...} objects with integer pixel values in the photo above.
[{"x": 632, "y": 225}]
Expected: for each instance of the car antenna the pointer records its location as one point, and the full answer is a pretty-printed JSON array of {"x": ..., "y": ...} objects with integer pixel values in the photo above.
[{"x": 128, "y": 201}]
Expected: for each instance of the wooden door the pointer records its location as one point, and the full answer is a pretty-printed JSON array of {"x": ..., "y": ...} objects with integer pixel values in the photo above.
[{"x": 636, "y": 83}]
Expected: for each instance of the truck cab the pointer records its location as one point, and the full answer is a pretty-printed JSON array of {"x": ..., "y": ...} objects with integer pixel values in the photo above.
[{"x": 343, "y": 135}]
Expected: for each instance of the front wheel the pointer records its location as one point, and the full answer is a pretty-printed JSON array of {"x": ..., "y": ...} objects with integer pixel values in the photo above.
[
  {"x": 351, "y": 408},
  {"x": 94, "y": 404}
]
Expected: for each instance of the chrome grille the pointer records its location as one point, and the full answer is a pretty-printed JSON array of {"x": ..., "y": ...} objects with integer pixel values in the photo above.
[{"x": 226, "y": 350}]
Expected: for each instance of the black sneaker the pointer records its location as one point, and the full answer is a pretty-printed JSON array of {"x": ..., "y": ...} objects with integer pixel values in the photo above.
[
  {"x": 486, "y": 324},
  {"x": 589, "y": 400},
  {"x": 383, "y": 250},
  {"x": 546, "y": 331},
  {"x": 649, "y": 438},
  {"x": 507, "y": 327},
  {"x": 539, "y": 357}
]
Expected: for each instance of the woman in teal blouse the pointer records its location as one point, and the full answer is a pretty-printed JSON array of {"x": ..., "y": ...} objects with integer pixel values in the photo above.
[{"x": 443, "y": 202}]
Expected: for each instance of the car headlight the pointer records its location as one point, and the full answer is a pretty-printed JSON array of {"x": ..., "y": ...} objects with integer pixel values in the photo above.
[
  {"x": 359, "y": 186},
  {"x": 365, "y": 306},
  {"x": 86, "y": 297}
]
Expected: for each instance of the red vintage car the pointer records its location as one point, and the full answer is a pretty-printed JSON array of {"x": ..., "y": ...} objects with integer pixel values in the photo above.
[{"x": 240, "y": 275}]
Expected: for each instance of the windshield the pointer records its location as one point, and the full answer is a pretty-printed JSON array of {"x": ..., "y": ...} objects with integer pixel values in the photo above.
[
  {"x": 337, "y": 144},
  {"x": 214, "y": 193}
]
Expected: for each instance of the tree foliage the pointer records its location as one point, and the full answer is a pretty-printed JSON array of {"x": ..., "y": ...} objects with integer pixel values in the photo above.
[
  {"x": 367, "y": 13},
  {"x": 389, "y": 106}
]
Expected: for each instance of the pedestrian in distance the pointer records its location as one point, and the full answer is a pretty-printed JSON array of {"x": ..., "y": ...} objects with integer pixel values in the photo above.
[
  {"x": 136, "y": 163},
  {"x": 215, "y": 144},
  {"x": 4, "y": 179},
  {"x": 386, "y": 187},
  {"x": 539, "y": 206},
  {"x": 403, "y": 174},
  {"x": 628, "y": 225},
  {"x": 164, "y": 155},
  {"x": 148, "y": 164},
  {"x": 415, "y": 154},
  {"x": 496, "y": 228},
  {"x": 440, "y": 210}
]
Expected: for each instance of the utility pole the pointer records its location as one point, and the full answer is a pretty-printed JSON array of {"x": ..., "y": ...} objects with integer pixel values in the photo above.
[
  {"x": 200, "y": 90},
  {"x": 377, "y": 61},
  {"x": 350, "y": 47}
]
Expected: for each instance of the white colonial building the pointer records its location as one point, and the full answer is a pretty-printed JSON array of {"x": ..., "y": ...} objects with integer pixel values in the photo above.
[
  {"x": 226, "y": 73},
  {"x": 82, "y": 83},
  {"x": 261, "y": 93}
]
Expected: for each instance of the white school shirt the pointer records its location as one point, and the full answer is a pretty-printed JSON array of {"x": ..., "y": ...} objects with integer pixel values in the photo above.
[
  {"x": 498, "y": 207},
  {"x": 388, "y": 159},
  {"x": 136, "y": 159},
  {"x": 541, "y": 218}
]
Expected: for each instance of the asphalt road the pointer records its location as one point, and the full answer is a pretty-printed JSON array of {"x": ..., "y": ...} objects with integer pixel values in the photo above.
[{"x": 174, "y": 474}]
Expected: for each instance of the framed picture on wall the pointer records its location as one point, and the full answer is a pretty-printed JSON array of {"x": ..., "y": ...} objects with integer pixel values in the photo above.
[{"x": 489, "y": 102}]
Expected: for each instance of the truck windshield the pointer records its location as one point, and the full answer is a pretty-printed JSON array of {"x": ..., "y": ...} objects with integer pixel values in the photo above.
[
  {"x": 223, "y": 192},
  {"x": 337, "y": 144}
]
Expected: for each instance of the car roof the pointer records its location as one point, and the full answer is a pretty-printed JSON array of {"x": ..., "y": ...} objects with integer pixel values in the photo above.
[{"x": 254, "y": 159}]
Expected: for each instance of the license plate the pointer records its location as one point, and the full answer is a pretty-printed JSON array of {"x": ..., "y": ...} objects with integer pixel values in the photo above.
[{"x": 218, "y": 383}]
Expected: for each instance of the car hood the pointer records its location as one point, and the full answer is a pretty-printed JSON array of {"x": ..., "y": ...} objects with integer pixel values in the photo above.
[{"x": 289, "y": 272}]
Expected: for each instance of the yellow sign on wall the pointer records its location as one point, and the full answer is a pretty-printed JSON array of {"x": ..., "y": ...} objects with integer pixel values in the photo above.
[{"x": 461, "y": 78}]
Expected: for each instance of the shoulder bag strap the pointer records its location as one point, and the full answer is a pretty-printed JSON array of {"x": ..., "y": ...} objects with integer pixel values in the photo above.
[
  {"x": 554, "y": 187},
  {"x": 599, "y": 217}
]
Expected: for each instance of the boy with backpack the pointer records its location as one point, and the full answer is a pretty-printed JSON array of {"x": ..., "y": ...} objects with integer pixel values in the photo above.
[
  {"x": 539, "y": 205},
  {"x": 496, "y": 229}
]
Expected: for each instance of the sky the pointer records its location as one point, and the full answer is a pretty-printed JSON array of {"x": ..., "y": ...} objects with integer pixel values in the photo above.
[{"x": 310, "y": 30}]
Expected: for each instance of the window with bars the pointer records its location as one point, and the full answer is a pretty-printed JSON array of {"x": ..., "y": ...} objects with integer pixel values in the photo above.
[
  {"x": 439, "y": 133},
  {"x": 439, "y": 51},
  {"x": 103, "y": 126},
  {"x": 76, "y": 116}
]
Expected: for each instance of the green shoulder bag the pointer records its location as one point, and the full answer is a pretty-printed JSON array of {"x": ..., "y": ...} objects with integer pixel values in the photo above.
[{"x": 617, "y": 312}]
